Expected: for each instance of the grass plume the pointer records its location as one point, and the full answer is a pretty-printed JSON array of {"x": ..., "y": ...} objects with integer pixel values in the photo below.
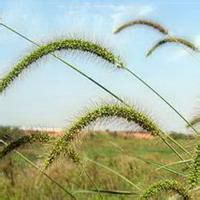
[
  {"x": 67, "y": 44},
  {"x": 165, "y": 186},
  {"x": 194, "y": 179},
  {"x": 101, "y": 86},
  {"x": 39, "y": 137},
  {"x": 172, "y": 40},
  {"x": 112, "y": 110},
  {"x": 148, "y": 23}
]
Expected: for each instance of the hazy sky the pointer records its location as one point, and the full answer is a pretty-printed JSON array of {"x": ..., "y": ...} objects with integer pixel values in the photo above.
[{"x": 50, "y": 94}]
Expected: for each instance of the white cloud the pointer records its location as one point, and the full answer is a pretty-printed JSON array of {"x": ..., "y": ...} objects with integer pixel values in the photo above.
[
  {"x": 146, "y": 10},
  {"x": 129, "y": 12},
  {"x": 118, "y": 12}
]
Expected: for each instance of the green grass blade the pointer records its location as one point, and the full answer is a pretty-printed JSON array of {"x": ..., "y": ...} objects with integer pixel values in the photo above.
[
  {"x": 114, "y": 192},
  {"x": 42, "y": 172},
  {"x": 114, "y": 172},
  {"x": 160, "y": 165}
]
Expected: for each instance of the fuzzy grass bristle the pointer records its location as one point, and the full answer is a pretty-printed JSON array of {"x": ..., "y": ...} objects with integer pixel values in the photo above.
[
  {"x": 165, "y": 186},
  {"x": 38, "y": 137},
  {"x": 194, "y": 178},
  {"x": 68, "y": 44},
  {"x": 112, "y": 110},
  {"x": 148, "y": 23},
  {"x": 172, "y": 40}
]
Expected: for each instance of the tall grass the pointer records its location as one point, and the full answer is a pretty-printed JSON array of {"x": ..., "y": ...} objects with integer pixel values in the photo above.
[
  {"x": 124, "y": 110},
  {"x": 73, "y": 67},
  {"x": 36, "y": 137},
  {"x": 131, "y": 114},
  {"x": 110, "y": 92},
  {"x": 166, "y": 186},
  {"x": 170, "y": 39},
  {"x": 68, "y": 44},
  {"x": 177, "y": 40},
  {"x": 194, "y": 179},
  {"x": 115, "y": 110},
  {"x": 145, "y": 22}
]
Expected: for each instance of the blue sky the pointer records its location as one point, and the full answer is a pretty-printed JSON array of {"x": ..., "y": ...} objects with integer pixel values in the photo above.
[{"x": 49, "y": 94}]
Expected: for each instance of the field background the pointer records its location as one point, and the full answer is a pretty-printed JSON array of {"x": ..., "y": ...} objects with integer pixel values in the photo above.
[{"x": 122, "y": 154}]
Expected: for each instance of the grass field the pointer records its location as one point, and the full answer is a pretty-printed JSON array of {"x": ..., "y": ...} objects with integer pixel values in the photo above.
[{"x": 136, "y": 159}]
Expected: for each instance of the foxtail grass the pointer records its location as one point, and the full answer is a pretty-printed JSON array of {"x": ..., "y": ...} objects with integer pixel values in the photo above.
[
  {"x": 166, "y": 186},
  {"x": 131, "y": 114},
  {"x": 41, "y": 171},
  {"x": 137, "y": 117},
  {"x": 145, "y": 22},
  {"x": 172, "y": 39},
  {"x": 68, "y": 44},
  {"x": 176, "y": 40},
  {"x": 39, "y": 137},
  {"x": 194, "y": 178},
  {"x": 104, "y": 88}
]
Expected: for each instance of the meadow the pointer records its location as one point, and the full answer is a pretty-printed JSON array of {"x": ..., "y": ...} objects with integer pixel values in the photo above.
[
  {"x": 98, "y": 165},
  {"x": 139, "y": 160}
]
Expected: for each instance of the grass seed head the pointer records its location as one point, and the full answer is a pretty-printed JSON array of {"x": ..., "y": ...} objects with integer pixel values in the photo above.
[
  {"x": 165, "y": 186},
  {"x": 112, "y": 110},
  {"x": 65, "y": 44},
  {"x": 194, "y": 178},
  {"x": 148, "y": 23},
  {"x": 172, "y": 40},
  {"x": 39, "y": 137}
]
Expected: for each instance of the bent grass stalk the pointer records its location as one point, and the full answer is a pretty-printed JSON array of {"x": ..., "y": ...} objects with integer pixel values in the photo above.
[
  {"x": 177, "y": 40},
  {"x": 166, "y": 186},
  {"x": 39, "y": 137},
  {"x": 148, "y": 23},
  {"x": 119, "y": 63},
  {"x": 112, "y": 110},
  {"x": 74, "y": 156},
  {"x": 68, "y": 44},
  {"x": 158, "y": 27},
  {"x": 194, "y": 178},
  {"x": 16, "y": 73},
  {"x": 70, "y": 65},
  {"x": 42, "y": 172}
]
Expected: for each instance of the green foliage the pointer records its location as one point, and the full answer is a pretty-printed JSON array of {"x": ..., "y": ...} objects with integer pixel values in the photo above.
[
  {"x": 194, "y": 179},
  {"x": 112, "y": 110},
  {"x": 37, "y": 137},
  {"x": 67, "y": 44},
  {"x": 99, "y": 148},
  {"x": 165, "y": 186},
  {"x": 151, "y": 24},
  {"x": 8, "y": 133},
  {"x": 64, "y": 144},
  {"x": 174, "y": 40}
]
